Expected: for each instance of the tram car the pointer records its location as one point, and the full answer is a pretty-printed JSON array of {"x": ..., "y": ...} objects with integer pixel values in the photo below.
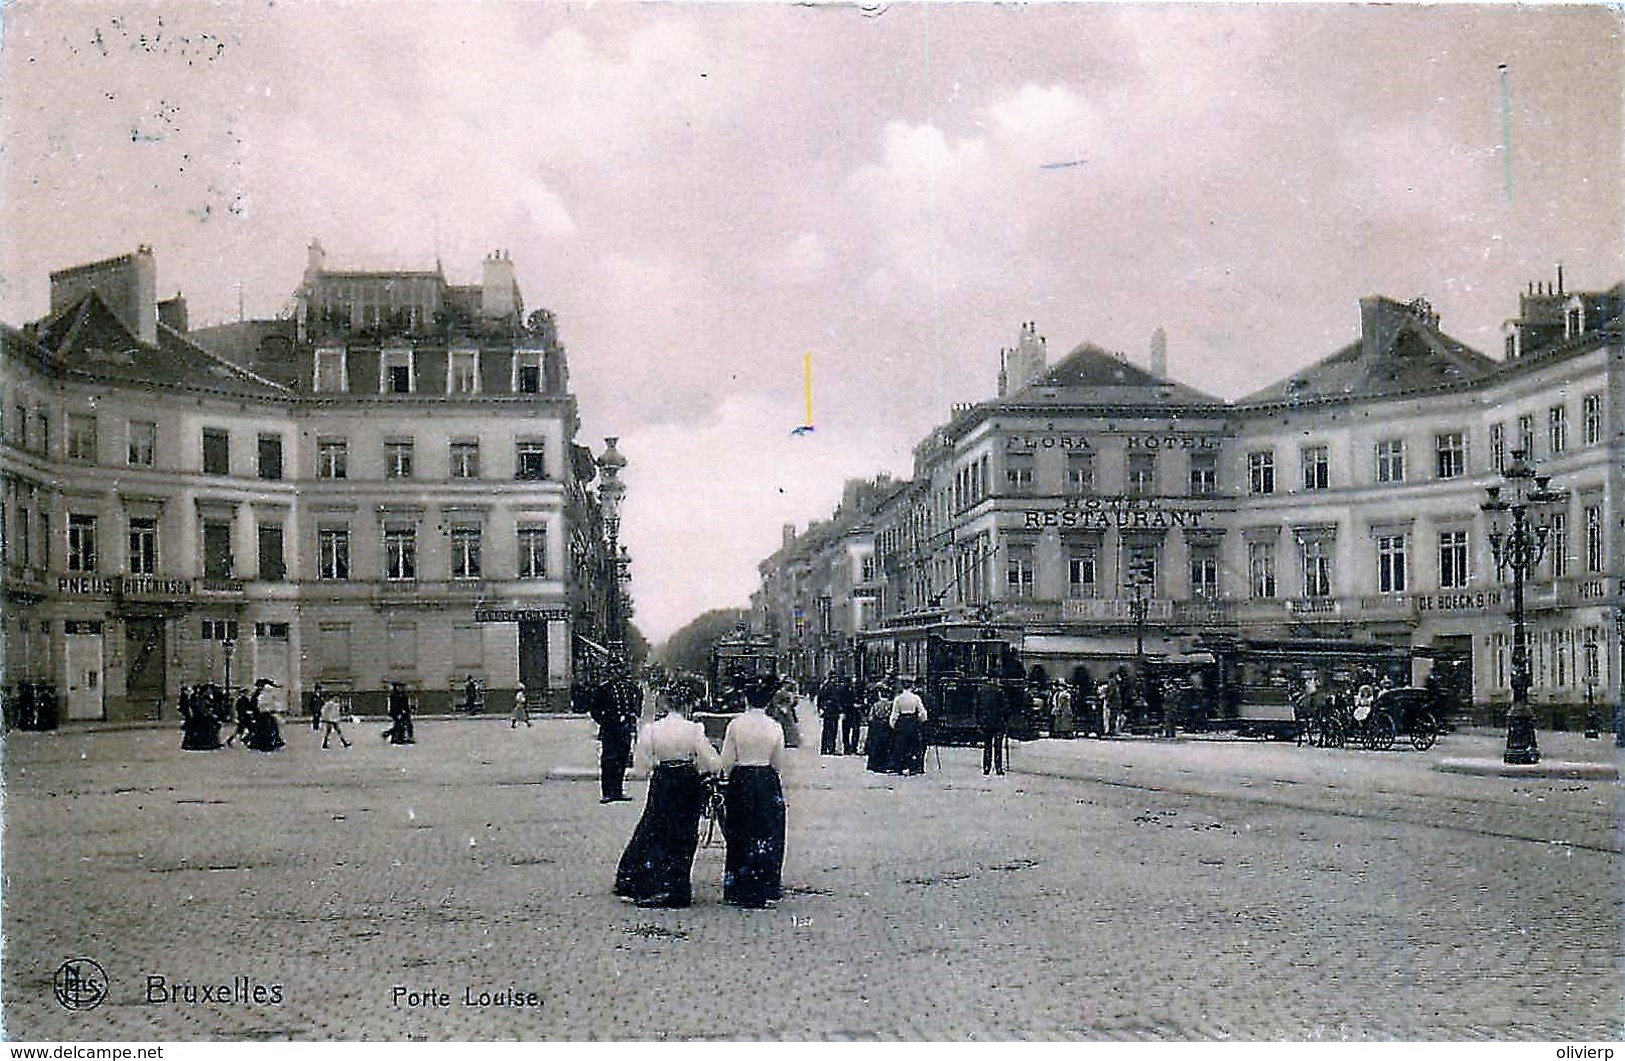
[
  {"x": 1255, "y": 687},
  {"x": 947, "y": 663},
  {"x": 735, "y": 662}
]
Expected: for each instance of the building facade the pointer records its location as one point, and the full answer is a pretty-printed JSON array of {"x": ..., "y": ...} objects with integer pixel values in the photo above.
[
  {"x": 374, "y": 489},
  {"x": 1096, "y": 509}
]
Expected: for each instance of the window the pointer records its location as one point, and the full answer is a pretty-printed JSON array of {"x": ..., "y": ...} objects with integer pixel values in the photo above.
[
  {"x": 334, "y": 553},
  {"x": 217, "y": 558},
  {"x": 270, "y": 456},
  {"x": 1261, "y": 569},
  {"x": 530, "y": 459},
  {"x": 463, "y": 372},
  {"x": 272, "y": 566},
  {"x": 1018, "y": 472},
  {"x": 143, "y": 442},
  {"x": 1204, "y": 474},
  {"x": 1451, "y": 449},
  {"x": 867, "y": 572},
  {"x": 1526, "y": 436},
  {"x": 1261, "y": 472},
  {"x": 1317, "y": 567},
  {"x": 465, "y": 551},
  {"x": 1559, "y": 544},
  {"x": 1204, "y": 572},
  {"x": 1591, "y": 419},
  {"x": 532, "y": 552},
  {"x": 527, "y": 372},
  {"x": 1142, "y": 474},
  {"x": 81, "y": 543},
  {"x": 1498, "y": 447},
  {"x": 19, "y": 428},
  {"x": 465, "y": 460},
  {"x": 271, "y": 631},
  {"x": 1594, "y": 547},
  {"x": 1391, "y": 563},
  {"x": 396, "y": 372},
  {"x": 1018, "y": 572},
  {"x": 331, "y": 377},
  {"x": 45, "y": 539},
  {"x": 218, "y": 629},
  {"x": 332, "y": 458},
  {"x": 45, "y": 432},
  {"x": 1592, "y": 655},
  {"x": 403, "y": 646},
  {"x": 81, "y": 437},
  {"x": 216, "y": 452},
  {"x": 467, "y": 648},
  {"x": 1081, "y": 577},
  {"x": 400, "y": 552},
  {"x": 1140, "y": 571},
  {"x": 1080, "y": 472},
  {"x": 143, "y": 546},
  {"x": 1557, "y": 429},
  {"x": 333, "y": 649},
  {"x": 1453, "y": 573},
  {"x": 398, "y": 459},
  {"x": 1317, "y": 468},
  {"x": 1391, "y": 460}
]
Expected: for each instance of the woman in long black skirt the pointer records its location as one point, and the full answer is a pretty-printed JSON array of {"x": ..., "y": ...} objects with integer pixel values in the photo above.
[
  {"x": 880, "y": 745},
  {"x": 656, "y": 866},
  {"x": 752, "y": 756}
]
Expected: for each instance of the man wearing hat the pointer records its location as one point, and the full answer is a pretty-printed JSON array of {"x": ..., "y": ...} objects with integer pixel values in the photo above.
[{"x": 616, "y": 709}]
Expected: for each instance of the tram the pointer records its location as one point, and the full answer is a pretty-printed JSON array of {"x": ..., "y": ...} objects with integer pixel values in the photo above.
[
  {"x": 947, "y": 662},
  {"x": 734, "y": 662}
]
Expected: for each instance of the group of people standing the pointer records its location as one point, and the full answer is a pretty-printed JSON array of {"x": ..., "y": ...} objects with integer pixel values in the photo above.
[
  {"x": 684, "y": 769},
  {"x": 204, "y": 709},
  {"x": 896, "y": 733}
]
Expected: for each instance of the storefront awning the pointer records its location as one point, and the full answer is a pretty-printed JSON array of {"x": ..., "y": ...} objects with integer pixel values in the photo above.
[{"x": 595, "y": 646}]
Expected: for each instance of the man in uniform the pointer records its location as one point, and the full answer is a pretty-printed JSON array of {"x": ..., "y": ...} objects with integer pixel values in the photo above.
[
  {"x": 616, "y": 709},
  {"x": 832, "y": 698},
  {"x": 991, "y": 718}
]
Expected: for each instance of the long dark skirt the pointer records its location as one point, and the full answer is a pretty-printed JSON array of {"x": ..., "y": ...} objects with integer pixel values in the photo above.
[
  {"x": 754, "y": 830},
  {"x": 659, "y": 859},
  {"x": 880, "y": 747},
  {"x": 200, "y": 733},
  {"x": 908, "y": 745},
  {"x": 266, "y": 735}
]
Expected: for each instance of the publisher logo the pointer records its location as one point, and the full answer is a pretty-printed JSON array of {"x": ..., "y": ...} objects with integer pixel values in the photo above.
[{"x": 80, "y": 983}]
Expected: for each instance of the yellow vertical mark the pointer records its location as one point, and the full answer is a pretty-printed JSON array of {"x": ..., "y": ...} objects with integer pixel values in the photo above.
[{"x": 807, "y": 371}]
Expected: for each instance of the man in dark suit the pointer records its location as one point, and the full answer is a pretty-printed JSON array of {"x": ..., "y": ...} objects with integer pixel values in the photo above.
[
  {"x": 991, "y": 718},
  {"x": 832, "y": 698},
  {"x": 616, "y": 709}
]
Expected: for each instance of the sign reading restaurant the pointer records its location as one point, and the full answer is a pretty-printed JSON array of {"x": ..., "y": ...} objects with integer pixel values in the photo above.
[{"x": 1124, "y": 513}]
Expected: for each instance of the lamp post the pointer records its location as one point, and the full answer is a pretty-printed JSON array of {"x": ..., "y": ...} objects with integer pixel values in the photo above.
[
  {"x": 1524, "y": 500},
  {"x": 611, "y": 491},
  {"x": 229, "y": 648}
]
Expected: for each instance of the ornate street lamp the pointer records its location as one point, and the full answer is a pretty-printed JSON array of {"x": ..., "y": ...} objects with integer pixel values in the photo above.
[
  {"x": 611, "y": 491},
  {"x": 1525, "y": 500}
]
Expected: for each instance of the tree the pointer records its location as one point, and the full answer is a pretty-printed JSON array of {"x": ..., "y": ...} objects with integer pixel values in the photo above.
[{"x": 689, "y": 649}]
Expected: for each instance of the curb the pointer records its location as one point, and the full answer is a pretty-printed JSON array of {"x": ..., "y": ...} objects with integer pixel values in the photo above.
[{"x": 1546, "y": 768}]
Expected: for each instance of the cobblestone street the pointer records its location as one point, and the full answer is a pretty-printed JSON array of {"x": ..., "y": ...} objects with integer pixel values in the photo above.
[{"x": 1123, "y": 890}]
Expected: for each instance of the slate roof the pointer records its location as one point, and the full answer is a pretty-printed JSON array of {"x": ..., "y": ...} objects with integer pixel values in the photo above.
[
  {"x": 88, "y": 340},
  {"x": 1092, "y": 375},
  {"x": 1401, "y": 351}
]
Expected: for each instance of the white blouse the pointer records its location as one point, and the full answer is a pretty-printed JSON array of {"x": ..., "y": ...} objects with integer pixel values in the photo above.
[
  {"x": 753, "y": 739},
  {"x": 674, "y": 738}
]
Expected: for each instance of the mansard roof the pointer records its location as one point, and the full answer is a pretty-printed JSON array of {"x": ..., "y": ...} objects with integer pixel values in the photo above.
[
  {"x": 1400, "y": 351},
  {"x": 87, "y": 340}
]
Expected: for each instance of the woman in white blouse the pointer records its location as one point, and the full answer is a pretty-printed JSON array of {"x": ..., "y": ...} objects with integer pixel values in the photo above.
[
  {"x": 656, "y": 868},
  {"x": 752, "y": 756}
]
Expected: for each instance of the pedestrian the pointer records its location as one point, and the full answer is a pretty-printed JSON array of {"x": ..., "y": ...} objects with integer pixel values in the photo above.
[
  {"x": 521, "y": 713},
  {"x": 331, "y": 710},
  {"x": 853, "y": 712},
  {"x": 908, "y": 718},
  {"x": 616, "y": 709},
  {"x": 400, "y": 715},
  {"x": 879, "y": 747},
  {"x": 473, "y": 702},
  {"x": 200, "y": 730},
  {"x": 658, "y": 863},
  {"x": 1060, "y": 708},
  {"x": 831, "y": 706},
  {"x": 753, "y": 822},
  {"x": 992, "y": 719},
  {"x": 783, "y": 711},
  {"x": 244, "y": 713}
]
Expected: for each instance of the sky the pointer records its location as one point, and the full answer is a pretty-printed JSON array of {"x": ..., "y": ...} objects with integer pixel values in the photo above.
[{"x": 706, "y": 194}]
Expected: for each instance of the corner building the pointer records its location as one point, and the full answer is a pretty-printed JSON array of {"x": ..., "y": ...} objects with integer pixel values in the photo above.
[
  {"x": 1341, "y": 502},
  {"x": 371, "y": 489}
]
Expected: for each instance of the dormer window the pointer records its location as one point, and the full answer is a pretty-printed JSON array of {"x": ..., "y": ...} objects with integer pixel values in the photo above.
[
  {"x": 1574, "y": 320},
  {"x": 463, "y": 372},
  {"x": 527, "y": 372},
  {"x": 397, "y": 373},
  {"x": 330, "y": 376}
]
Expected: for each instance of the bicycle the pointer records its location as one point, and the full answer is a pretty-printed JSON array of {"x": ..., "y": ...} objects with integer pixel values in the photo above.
[{"x": 713, "y": 812}]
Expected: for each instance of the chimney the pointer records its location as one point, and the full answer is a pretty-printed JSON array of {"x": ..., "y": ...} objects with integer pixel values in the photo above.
[
  {"x": 788, "y": 534},
  {"x": 499, "y": 294},
  {"x": 1560, "y": 279},
  {"x": 128, "y": 284},
  {"x": 172, "y": 313},
  {"x": 1159, "y": 354},
  {"x": 315, "y": 258}
]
